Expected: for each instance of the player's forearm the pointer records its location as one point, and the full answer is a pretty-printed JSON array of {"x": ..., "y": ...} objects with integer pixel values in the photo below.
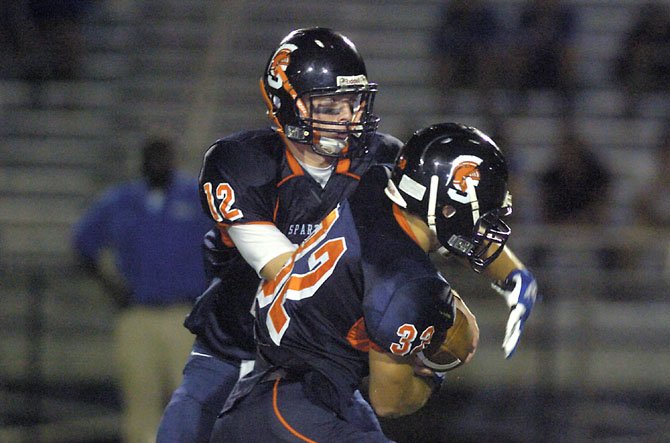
[
  {"x": 272, "y": 268},
  {"x": 503, "y": 265},
  {"x": 263, "y": 246},
  {"x": 411, "y": 397},
  {"x": 395, "y": 390}
]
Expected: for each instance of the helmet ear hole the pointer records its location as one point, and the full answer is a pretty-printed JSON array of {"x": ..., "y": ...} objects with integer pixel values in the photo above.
[{"x": 448, "y": 211}]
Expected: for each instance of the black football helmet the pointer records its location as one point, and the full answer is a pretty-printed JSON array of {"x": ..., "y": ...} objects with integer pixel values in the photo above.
[
  {"x": 319, "y": 62},
  {"x": 455, "y": 178}
]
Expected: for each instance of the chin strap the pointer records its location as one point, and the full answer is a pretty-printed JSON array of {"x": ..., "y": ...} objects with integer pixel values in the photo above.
[
  {"x": 432, "y": 203},
  {"x": 330, "y": 146},
  {"x": 430, "y": 216},
  {"x": 472, "y": 199}
]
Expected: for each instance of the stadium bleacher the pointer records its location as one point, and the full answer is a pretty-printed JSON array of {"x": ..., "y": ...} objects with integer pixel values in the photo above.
[{"x": 191, "y": 69}]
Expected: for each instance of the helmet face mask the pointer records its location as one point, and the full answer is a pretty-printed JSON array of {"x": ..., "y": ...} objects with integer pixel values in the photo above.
[
  {"x": 335, "y": 120},
  {"x": 455, "y": 178},
  {"x": 486, "y": 242},
  {"x": 311, "y": 68}
]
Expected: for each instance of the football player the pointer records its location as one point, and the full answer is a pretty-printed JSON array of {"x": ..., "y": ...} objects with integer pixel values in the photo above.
[
  {"x": 266, "y": 189},
  {"x": 361, "y": 297}
]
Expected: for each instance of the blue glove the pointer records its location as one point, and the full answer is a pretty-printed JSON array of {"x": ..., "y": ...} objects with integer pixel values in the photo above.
[{"x": 520, "y": 291}]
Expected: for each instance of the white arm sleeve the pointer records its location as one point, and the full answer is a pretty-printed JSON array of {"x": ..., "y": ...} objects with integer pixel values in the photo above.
[{"x": 259, "y": 243}]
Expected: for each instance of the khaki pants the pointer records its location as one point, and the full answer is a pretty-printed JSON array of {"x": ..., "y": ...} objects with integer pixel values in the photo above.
[{"x": 152, "y": 346}]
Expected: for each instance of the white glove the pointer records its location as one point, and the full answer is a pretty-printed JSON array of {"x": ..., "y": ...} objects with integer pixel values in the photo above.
[{"x": 520, "y": 291}]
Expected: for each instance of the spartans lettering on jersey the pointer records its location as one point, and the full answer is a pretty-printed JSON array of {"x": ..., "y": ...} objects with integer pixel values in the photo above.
[{"x": 301, "y": 229}]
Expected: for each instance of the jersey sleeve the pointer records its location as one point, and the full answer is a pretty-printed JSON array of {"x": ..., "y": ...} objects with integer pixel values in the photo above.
[
  {"x": 258, "y": 244},
  {"x": 407, "y": 319},
  {"x": 237, "y": 183}
]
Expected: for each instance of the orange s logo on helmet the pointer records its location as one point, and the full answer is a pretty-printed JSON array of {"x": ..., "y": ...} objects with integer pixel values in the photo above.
[
  {"x": 402, "y": 163},
  {"x": 462, "y": 171},
  {"x": 276, "y": 75},
  {"x": 280, "y": 62}
]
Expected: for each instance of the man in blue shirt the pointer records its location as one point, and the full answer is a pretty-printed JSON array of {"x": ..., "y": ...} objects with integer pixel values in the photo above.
[{"x": 154, "y": 228}]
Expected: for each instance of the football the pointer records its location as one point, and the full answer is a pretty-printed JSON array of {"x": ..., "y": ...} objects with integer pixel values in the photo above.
[{"x": 460, "y": 344}]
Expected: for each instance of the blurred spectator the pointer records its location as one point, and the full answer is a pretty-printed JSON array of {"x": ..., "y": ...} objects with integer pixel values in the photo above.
[
  {"x": 154, "y": 228},
  {"x": 58, "y": 25},
  {"x": 576, "y": 185},
  {"x": 575, "y": 190},
  {"x": 653, "y": 208},
  {"x": 643, "y": 62},
  {"x": 464, "y": 47},
  {"x": 543, "y": 56},
  {"x": 18, "y": 37},
  {"x": 43, "y": 37}
]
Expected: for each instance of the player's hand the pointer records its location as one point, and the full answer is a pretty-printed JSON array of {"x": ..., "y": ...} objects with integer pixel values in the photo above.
[
  {"x": 520, "y": 291},
  {"x": 421, "y": 370}
]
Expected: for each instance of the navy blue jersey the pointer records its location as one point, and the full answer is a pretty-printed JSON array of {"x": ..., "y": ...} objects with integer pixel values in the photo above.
[
  {"x": 251, "y": 177},
  {"x": 358, "y": 281}
]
